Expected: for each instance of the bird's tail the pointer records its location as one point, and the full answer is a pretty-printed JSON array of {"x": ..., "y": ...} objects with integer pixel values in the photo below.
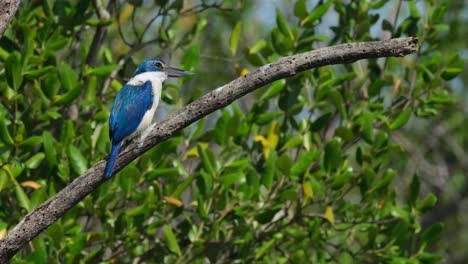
[{"x": 111, "y": 160}]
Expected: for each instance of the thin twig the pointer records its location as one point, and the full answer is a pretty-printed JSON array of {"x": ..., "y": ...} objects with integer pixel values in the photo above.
[
  {"x": 135, "y": 31},
  {"x": 119, "y": 27},
  {"x": 150, "y": 23}
]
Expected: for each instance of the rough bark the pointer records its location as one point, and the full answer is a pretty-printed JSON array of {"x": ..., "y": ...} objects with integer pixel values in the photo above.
[
  {"x": 7, "y": 12},
  {"x": 48, "y": 212}
]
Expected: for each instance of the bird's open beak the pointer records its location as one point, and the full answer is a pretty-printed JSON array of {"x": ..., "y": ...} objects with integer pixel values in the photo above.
[{"x": 174, "y": 72}]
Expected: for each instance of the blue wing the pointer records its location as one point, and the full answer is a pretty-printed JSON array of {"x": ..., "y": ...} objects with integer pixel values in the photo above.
[{"x": 128, "y": 110}]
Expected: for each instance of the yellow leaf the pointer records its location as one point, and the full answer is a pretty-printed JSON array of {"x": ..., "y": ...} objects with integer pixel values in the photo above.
[
  {"x": 3, "y": 233},
  {"x": 307, "y": 189},
  {"x": 329, "y": 215},
  {"x": 124, "y": 14},
  {"x": 271, "y": 141},
  {"x": 396, "y": 87},
  {"x": 244, "y": 71},
  {"x": 193, "y": 152},
  {"x": 31, "y": 184},
  {"x": 6, "y": 168},
  {"x": 173, "y": 201},
  {"x": 273, "y": 135},
  {"x": 260, "y": 139}
]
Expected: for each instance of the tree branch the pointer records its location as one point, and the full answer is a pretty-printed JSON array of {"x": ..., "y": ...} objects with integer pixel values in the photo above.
[
  {"x": 48, "y": 212},
  {"x": 8, "y": 10}
]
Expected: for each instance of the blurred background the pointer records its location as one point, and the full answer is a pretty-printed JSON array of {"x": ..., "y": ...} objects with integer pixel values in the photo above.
[{"x": 63, "y": 62}]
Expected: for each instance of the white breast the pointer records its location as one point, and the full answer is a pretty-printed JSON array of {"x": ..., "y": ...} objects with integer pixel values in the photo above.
[{"x": 156, "y": 78}]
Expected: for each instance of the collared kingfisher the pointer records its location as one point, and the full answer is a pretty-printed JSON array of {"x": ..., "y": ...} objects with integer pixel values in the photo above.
[{"x": 136, "y": 103}]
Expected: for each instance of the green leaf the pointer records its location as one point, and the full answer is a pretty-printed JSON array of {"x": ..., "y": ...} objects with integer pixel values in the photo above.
[
  {"x": 191, "y": 58},
  {"x": 366, "y": 123},
  {"x": 386, "y": 180},
  {"x": 338, "y": 102},
  {"x": 255, "y": 59},
  {"x": 263, "y": 248},
  {"x": 78, "y": 162},
  {"x": 171, "y": 240},
  {"x": 5, "y": 180},
  {"x": 415, "y": 187},
  {"x": 68, "y": 77},
  {"x": 267, "y": 118},
  {"x": 386, "y": 25},
  {"x": 205, "y": 182},
  {"x": 281, "y": 44},
  {"x": 300, "y": 9},
  {"x": 137, "y": 211},
  {"x": 34, "y": 74},
  {"x": 284, "y": 164},
  {"x": 429, "y": 258},
  {"x": 414, "y": 10},
  {"x": 283, "y": 25},
  {"x": 342, "y": 178},
  {"x": 56, "y": 42},
  {"x": 275, "y": 88},
  {"x": 269, "y": 172},
  {"x": 450, "y": 73},
  {"x": 163, "y": 172},
  {"x": 35, "y": 161},
  {"x": 183, "y": 186},
  {"x": 431, "y": 233},
  {"x": 258, "y": 46},
  {"x": 303, "y": 163},
  {"x": 4, "y": 133},
  {"x": 427, "y": 203},
  {"x": 101, "y": 71},
  {"x": 23, "y": 199},
  {"x": 14, "y": 71},
  {"x": 401, "y": 120},
  {"x": 207, "y": 162},
  {"x": 69, "y": 96},
  {"x": 321, "y": 122},
  {"x": 234, "y": 38},
  {"x": 293, "y": 142},
  {"x": 31, "y": 142},
  {"x": 232, "y": 178},
  {"x": 221, "y": 127},
  {"x": 50, "y": 85},
  {"x": 317, "y": 13},
  {"x": 332, "y": 157},
  {"x": 345, "y": 133}
]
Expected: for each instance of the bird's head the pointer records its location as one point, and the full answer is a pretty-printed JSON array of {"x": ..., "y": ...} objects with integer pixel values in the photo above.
[{"x": 157, "y": 65}]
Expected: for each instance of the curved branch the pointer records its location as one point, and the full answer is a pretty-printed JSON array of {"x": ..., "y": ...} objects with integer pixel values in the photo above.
[
  {"x": 48, "y": 212},
  {"x": 8, "y": 10}
]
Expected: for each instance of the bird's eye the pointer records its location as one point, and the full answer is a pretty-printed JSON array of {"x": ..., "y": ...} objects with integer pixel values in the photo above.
[{"x": 159, "y": 65}]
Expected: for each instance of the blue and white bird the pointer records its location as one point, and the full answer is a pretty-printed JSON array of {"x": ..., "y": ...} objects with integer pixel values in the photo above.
[{"x": 136, "y": 103}]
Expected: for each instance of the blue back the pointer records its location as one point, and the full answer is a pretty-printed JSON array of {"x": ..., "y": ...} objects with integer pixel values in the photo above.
[{"x": 128, "y": 110}]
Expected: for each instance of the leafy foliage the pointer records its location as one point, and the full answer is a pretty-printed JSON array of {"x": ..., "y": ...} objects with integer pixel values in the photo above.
[{"x": 307, "y": 169}]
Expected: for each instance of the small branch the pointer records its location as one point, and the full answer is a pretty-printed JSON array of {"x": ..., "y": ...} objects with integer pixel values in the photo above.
[
  {"x": 119, "y": 26},
  {"x": 135, "y": 31},
  {"x": 148, "y": 25},
  {"x": 100, "y": 34},
  {"x": 8, "y": 10},
  {"x": 47, "y": 213}
]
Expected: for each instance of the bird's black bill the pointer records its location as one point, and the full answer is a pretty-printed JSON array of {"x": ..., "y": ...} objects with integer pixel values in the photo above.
[{"x": 174, "y": 72}]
